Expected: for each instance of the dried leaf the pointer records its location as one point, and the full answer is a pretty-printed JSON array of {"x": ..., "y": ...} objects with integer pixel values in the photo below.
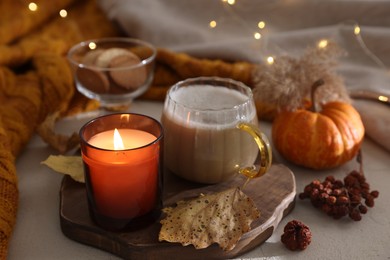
[
  {"x": 221, "y": 218},
  {"x": 61, "y": 143},
  {"x": 70, "y": 165}
]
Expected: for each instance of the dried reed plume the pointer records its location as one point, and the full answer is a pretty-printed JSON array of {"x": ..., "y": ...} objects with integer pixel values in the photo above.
[{"x": 287, "y": 82}]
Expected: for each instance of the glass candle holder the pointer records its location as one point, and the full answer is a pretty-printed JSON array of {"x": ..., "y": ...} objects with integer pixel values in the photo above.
[{"x": 123, "y": 169}]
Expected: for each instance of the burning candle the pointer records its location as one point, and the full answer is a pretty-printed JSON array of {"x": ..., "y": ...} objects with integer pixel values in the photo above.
[
  {"x": 121, "y": 155},
  {"x": 122, "y": 139}
]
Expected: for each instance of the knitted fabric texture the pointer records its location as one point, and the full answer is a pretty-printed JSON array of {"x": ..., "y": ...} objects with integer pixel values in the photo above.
[{"x": 36, "y": 80}]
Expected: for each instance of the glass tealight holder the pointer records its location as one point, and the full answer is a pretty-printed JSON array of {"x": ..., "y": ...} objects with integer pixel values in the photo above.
[{"x": 122, "y": 155}]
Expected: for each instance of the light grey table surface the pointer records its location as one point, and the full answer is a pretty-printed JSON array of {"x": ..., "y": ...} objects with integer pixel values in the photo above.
[{"x": 37, "y": 233}]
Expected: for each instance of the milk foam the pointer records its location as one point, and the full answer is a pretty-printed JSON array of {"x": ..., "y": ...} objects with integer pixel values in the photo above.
[{"x": 208, "y": 97}]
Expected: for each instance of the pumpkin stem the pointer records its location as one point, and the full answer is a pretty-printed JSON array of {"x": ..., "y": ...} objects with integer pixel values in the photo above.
[{"x": 314, "y": 88}]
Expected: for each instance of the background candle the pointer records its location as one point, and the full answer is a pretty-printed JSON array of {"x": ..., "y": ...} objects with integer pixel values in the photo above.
[{"x": 122, "y": 184}]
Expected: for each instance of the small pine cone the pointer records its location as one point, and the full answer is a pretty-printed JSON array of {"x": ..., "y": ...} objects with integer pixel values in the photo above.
[{"x": 296, "y": 236}]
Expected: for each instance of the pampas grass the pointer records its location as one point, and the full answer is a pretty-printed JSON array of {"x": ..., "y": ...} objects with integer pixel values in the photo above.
[{"x": 287, "y": 82}]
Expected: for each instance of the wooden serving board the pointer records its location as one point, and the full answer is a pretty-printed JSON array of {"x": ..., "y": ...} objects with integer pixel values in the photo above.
[{"x": 273, "y": 194}]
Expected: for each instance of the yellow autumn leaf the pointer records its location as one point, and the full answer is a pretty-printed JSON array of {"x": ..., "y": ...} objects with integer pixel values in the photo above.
[
  {"x": 70, "y": 165},
  {"x": 221, "y": 218}
]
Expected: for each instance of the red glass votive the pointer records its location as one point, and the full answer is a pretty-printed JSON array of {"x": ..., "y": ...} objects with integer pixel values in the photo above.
[{"x": 124, "y": 184}]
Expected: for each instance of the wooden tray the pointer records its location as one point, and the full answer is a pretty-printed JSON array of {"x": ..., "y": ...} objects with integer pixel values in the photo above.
[{"x": 273, "y": 193}]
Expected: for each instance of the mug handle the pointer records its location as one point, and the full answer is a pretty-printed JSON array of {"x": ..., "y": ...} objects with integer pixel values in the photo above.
[{"x": 264, "y": 148}]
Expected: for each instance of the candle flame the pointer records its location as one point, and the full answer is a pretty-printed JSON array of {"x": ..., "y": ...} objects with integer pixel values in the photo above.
[{"x": 118, "y": 143}]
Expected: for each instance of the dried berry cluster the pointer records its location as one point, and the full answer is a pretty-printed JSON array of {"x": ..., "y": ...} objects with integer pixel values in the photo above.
[
  {"x": 338, "y": 199},
  {"x": 296, "y": 235}
]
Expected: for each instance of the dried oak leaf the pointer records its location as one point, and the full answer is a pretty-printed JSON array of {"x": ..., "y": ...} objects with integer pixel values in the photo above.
[
  {"x": 69, "y": 165},
  {"x": 221, "y": 218}
]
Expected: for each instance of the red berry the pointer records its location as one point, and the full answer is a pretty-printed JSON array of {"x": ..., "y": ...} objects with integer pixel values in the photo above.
[
  {"x": 363, "y": 209},
  {"x": 369, "y": 202},
  {"x": 338, "y": 199},
  {"x": 374, "y": 193}
]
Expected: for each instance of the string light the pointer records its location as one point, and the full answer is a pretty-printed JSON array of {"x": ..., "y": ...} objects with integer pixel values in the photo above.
[
  {"x": 230, "y": 2},
  {"x": 356, "y": 30},
  {"x": 63, "y": 13},
  {"x": 261, "y": 25},
  {"x": 257, "y": 35},
  {"x": 322, "y": 44},
  {"x": 383, "y": 98},
  {"x": 232, "y": 14},
  {"x": 366, "y": 50},
  {"x": 32, "y": 6},
  {"x": 92, "y": 45},
  {"x": 270, "y": 60},
  {"x": 213, "y": 24}
]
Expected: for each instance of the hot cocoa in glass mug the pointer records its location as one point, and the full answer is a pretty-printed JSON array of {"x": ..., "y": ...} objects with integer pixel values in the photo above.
[{"x": 211, "y": 131}]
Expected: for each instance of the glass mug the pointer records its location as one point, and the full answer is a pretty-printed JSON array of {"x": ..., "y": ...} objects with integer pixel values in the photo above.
[{"x": 209, "y": 127}]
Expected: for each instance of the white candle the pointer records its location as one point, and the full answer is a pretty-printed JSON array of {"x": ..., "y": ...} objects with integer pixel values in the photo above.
[{"x": 131, "y": 139}]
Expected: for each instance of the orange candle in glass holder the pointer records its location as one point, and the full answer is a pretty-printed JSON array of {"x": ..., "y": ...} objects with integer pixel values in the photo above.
[{"x": 122, "y": 168}]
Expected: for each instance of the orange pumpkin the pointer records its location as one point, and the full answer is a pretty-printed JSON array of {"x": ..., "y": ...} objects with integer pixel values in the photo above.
[{"x": 319, "y": 140}]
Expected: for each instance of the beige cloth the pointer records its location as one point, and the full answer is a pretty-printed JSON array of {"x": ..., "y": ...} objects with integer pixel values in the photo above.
[
  {"x": 291, "y": 26},
  {"x": 376, "y": 118}
]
